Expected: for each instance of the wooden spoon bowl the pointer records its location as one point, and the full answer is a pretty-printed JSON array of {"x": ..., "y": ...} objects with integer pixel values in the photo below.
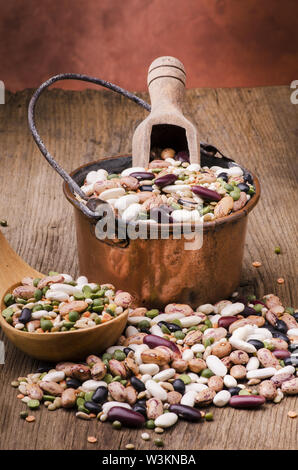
[{"x": 59, "y": 346}]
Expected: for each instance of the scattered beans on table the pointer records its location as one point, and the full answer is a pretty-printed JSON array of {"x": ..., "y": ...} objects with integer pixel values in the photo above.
[
  {"x": 171, "y": 190},
  {"x": 143, "y": 385},
  {"x": 57, "y": 303}
]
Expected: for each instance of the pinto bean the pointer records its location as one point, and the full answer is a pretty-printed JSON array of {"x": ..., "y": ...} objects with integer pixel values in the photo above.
[
  {"x": 80, "y": 372},
  {"x": 129, "y": 182},
  {"x": 204, "y": 397},
  {"x": 289, "y": 321},
  {"x": 154, "y": 356},
  {"x": 135, "y": 339},
  {"x": 215, "y": 383},
  {"x": 196, "y": 365},
  {"x": 174, "y": 398},
  {"x": 267, "y": 389},
  {"x": 48, "y": 280},
  {"x": 238, "y": 372},
  {"x": 123, "y": 299},
  {"x": 272, "y": 300},
  {"x": 179, "y": 308},
  {"x": 65, "y": 367},
  {"x": 138, "y": 312},
  {"x": 131, "y": 395},
  {"x": 193, "y": 337},
  {"x": 221, "y": 349},
  {"x": 267, "y": 358},
  {"x": 154, "y": 408},
  {"x": 77, "y": 305},
  {"x": 179, "y": 365},
  {"x": 25, "y": 292},
  {"x": 290, "y": 387},
  {"x": 131, "y": 365},
  {"x": 34, "y": 391},
  {"x": 53, "y": 388},
  {"x": 216, "y": 333},
  {"x": 117, "y": 391},
  {"x": 118, "y": 368},
  {"x": 239, "y": 357},
  {"x": 99, "y": 370},
  {"x": 68, "y": 398}
]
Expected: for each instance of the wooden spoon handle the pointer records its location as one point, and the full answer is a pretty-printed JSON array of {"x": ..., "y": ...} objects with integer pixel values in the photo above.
[{"x": 12, "y": 267}]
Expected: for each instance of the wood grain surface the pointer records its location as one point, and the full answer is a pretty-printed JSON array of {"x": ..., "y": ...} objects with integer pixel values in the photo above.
[{"x": 257, "y": 127}]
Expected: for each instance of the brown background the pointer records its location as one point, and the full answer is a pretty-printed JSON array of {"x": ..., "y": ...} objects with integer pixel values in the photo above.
[{"x": 221, "y": 42}]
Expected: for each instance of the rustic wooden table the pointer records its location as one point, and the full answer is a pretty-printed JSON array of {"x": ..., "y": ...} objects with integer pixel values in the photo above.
[{"x": 257, "y": 127}]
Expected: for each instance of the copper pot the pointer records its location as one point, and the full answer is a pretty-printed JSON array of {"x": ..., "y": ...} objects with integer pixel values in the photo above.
[
  {"x": 155, "y": 271},
  {"x": 158, "y": 272}
]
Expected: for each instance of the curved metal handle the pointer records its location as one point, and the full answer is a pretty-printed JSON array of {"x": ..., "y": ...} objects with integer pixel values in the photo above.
[{"x": 76, "y": 190}]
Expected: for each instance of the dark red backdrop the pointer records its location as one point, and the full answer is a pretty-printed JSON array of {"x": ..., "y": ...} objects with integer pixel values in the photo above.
[{"x": 221, "y": 42}]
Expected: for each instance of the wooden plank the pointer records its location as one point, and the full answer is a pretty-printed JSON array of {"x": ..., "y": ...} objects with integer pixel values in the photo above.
[{"x": 256, "y": 127}]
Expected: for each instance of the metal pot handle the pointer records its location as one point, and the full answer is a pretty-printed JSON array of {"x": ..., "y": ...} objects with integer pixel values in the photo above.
[{"x": 76, "y": 190}]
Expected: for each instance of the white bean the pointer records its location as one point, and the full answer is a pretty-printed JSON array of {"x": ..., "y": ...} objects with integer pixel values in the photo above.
[
  {"x": 82, "y": 280},
  {"x": 222, "y": 398},
  {"x": 57, "y": 295},
  {"x": 156, "y": 390},
  {"x": 234, "y": 171},
  {"x": 189, "y": 398},
  {"x": 156, "y": 330},
  {"x": 230, "y": 381},
  {"x": 195, "y": 387},
  {"x": 187, "y": 355},
  {"x": 130, "y": 331},
  {"x": 112, "y": 193},
  {"x": 55, "y": 376},
  {"x": 206, "y": 308},
  {"x": 110, "y": 404},
  {"x": 151, "y": 369},
  {"x": 133, "y": 169},
  {"x": 39, "y": 314},
  {"x": 146, "y": 377},
  {"x": 166, "y": 420},
  {"x": 131, "y": 212},
  {"x": 253, "y": 363},
  {"x": 67, "y": 277},
  {"x": 91, "y": 385},
  {"x": 112, "y": 349},
  {"x": 239, "y": 344},
  {"x": 232, "y": 309},
  {"x": 167, "y": 317},
  {"x": 125, "y": 201},
  {"x": 192, "y": 320},
  {"x": 19, "y": 326},
  {"x": 198, "y": 348},
  {"x": 66, "y": 288},
  {"x": 286, "y": 369},
  {"x": 261, "y": 373},
  {"x": 193, "y": 377},
  {"x": 164, "y": 375},
  {"x": 216, "y": 365},
  {"x": 136, "y": 320}
]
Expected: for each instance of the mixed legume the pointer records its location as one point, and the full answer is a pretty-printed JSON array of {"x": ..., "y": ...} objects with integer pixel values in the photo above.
[
  {"x": 171, "y": 190},
  {"x": 171, "y": 365},
  {"x": 58, "y": 303}
]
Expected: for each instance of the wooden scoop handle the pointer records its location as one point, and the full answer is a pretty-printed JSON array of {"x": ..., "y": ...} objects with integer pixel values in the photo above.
[
  {"x": 166, "y": 84},
  {"x": 12, "y": 267}
]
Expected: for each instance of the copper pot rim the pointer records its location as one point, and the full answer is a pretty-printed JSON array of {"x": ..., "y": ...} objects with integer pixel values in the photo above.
[{"x": 207, "y": 226}]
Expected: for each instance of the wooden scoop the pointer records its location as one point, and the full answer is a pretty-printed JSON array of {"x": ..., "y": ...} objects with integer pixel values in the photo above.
[
  {"x": 166, "y": 126},
  {"x": 60, "y": 346}
]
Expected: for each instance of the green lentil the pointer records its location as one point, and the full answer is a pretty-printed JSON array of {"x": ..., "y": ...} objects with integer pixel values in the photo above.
[
  {"x": 108, "y": 378},
  {"x": 235, "y": 195},
  {"x": 207, "y": 373},
  {"x": 46, "y": 325},
  {"x": 119, "y": 355},
  {"x": 144, "y": 324},
  {"x": 48, "y": 398},
  {"x": 33, "y": 404},
  {"x": 179, "y": 334},
  {"x": 165, "y": 329},
  {"x": 185, "y": 378},
  {"x": 159, "y": 442},
  {"x": 208, "y": 323},
  {"x": 251, "y": 297},
  {"x": 117, "y": 378},
  {"x": 36, "y": 281},
  {"x": 23, "y": 414},
  {"x": 209, "y": 416},
  {"x": 150, "y": 424},
  {"x": 9, "y": 300},
  {"x": 117, "y": 425},
  {"x": 244, "y": 392},
  {"x": 79, "y": 296},
  {"x": 290, "y": 310},
  {"x": 107, "y": 356},
  {"x": 152, "y": 313},
  {"x": 37, "y": 307},
  {"x": 3, "y": 223},
  {"x": 88, "y": 396},
  {"x": 277, "y": 250},
  {"x": 258, "y": 307},
  {"x": 38, "y": 294},
  {"x": 73, "y": 316},
  {"x": 268, "y": 345}
]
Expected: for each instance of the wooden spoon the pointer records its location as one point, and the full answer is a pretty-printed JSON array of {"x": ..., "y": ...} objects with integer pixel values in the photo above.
[
  {"x": 166, "y": 126},
  {"x": 59, "y": 346}
]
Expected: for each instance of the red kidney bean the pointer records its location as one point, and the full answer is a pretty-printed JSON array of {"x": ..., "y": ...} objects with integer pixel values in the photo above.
[
  {"x": 165, "y": 180},
  {"x": 186, "y": 412},
  {"x": 246, "y": 401},
  {"x": 153, "y": 341},
  {"x": 143, "y": 175},
  {"x": 281, "y": 353},
  {"x": 225, "y": 322},
  {"x": 127, "y": 417},
  {"x": 206, "y": 194}
]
